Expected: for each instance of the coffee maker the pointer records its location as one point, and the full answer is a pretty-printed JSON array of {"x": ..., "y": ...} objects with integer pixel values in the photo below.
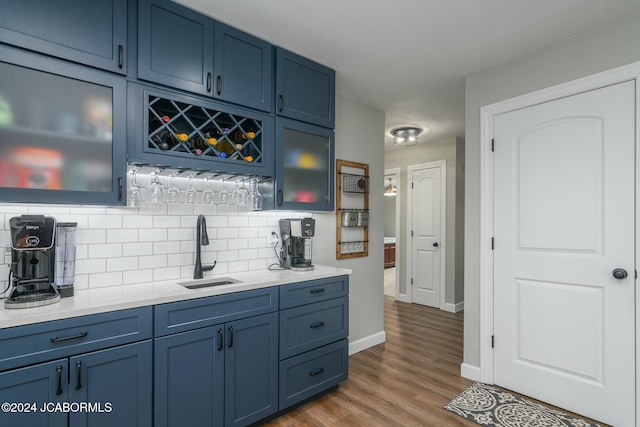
[
  {"x": 296, "y": 234},
  {"x": 33, "y": 262}
]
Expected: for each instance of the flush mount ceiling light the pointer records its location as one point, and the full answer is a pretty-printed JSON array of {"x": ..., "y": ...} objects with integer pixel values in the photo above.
[{"x": 405, "y": 136}]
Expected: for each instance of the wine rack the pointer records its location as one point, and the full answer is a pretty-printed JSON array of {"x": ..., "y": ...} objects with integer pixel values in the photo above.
[
  {"x": 352, "y": 209},
  {"x": 189, "y": 130}
]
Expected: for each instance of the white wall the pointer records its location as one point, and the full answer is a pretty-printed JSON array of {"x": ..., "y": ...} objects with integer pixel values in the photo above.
[
  {"x": 595, "y": 51},
  {"x": 423, "y": 153},
  {"x": 360, "y": 138}
]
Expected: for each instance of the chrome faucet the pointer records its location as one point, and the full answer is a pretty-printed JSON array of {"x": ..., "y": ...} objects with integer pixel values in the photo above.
[{"x": 202, "y": 239}]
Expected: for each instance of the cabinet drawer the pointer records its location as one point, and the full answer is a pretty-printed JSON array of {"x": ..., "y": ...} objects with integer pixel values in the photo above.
[
  {"x": 313, "y": 372},
  {"x": 313, "y": 291},
  {"x": 187, "y": 315},
  {"x": 25, "y": 345},
  {"x": 307, "y": 327}
]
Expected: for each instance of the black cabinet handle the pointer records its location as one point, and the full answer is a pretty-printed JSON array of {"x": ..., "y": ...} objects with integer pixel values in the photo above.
[
  {"x": 78, "y": 372},
  {"x": 317, "y": 291},
  {"x": 218, "y": 84},
  {"x": 209, "y": 76},
  {"x": 316, "y": 372},
  {"x": 280, "y": 103},
  {"x": 316, "y": 325},
  {"x": 120, "y": 192},
  {"x": 120, "y": 56},
  {"x": 220, "y": 339},
  {"x": 230, "y": 329},
  {"x": 58, "y": 380},
  {"x": 280, "y": 197},
  {"x": 74, "y": 337}
]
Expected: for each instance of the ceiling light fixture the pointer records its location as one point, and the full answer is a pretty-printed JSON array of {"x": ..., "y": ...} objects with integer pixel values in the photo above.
[
  {"x": 390, "y": 190},
  {"x": 405, "y": 136}
]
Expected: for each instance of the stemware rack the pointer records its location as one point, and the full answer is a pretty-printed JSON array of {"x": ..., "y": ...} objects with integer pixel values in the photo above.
[{"x": 352, "y": 209}]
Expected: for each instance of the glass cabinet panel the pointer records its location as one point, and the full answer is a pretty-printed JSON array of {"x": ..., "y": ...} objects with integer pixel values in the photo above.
[
  {"x": 56, "y": 134},
  {"x": 305, "y": 179}
]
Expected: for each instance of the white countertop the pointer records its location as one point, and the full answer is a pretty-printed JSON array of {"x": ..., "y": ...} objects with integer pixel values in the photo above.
[
  {"x": 389, "y": 240},
  {"x": 101, "y": 300}
]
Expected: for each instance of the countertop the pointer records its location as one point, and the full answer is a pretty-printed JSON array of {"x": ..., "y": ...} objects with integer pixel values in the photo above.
[{"x": 101, "y": 300}]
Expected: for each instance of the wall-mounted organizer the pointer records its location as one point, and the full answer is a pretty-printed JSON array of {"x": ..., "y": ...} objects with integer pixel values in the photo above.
[{"x": 352, "y": 209}]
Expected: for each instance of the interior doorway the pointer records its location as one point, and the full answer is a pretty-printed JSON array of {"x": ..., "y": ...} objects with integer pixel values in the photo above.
[{"x": 391, "y": 232}]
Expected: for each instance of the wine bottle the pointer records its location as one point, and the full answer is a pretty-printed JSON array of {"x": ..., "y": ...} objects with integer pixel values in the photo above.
[
  {"x": 165, "y": 140},
  {"x": 224, "y": 148},
  {"x": 240, "y": 136}
]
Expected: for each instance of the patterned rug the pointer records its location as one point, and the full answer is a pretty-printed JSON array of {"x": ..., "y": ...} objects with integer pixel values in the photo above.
[{"x": 489, "y": 406}]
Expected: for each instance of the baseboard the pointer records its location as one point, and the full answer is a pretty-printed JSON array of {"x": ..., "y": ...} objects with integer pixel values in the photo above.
[
  {"x": 366, "y": 342},
  {"x": 453, "y": 308},
  {"x": 470, "y": 372}
]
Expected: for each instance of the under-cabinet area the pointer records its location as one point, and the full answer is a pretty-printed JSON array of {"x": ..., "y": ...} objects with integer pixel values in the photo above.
[{"x": 230, "y": 359}]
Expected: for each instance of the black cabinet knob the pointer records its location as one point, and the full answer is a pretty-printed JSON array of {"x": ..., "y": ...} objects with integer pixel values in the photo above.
[
  {"x": 619, "y": 273},
  {"x": 435, "y": 245}
]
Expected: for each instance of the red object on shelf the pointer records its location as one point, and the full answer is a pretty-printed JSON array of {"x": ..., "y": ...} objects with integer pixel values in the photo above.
[
  {"x": 166, "y": 119},
  {"x": 305, "y": 197}
]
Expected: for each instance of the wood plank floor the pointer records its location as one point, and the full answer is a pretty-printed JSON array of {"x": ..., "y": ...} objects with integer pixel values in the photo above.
[{"x": 404, "y": 382}]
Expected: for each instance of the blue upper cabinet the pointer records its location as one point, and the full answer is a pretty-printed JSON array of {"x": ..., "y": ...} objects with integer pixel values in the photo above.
[
  {"x": 175, "y": 46},
  {"x": 92, "y": 33},
  {"x": 181, "y": 48},
  {"x": 305, "y": 90},
  {"x": 243, "y": 68}
]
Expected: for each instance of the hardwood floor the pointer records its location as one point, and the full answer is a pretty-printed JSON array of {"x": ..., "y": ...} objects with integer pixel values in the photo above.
[{"x": 405, "y": 381}]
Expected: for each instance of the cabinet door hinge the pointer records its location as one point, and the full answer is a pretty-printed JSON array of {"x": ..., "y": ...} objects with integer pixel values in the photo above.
[
  {"x": 492, "y": 243},
  {"x": 411, "y": 233},
  {"x": 492, "y": 145},
  {"x": 412, "y": 280},
  {"x": 493, "y": 342},
  {"x": 412, "y": 185}
]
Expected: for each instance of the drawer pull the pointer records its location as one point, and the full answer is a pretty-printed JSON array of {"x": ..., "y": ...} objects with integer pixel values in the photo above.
[
  {"x": 316, "y": 372},
  {"x": 74, "y": 337},
  {"x": 317, "y": 291},
  {"x": 220, "y": 339},
  {"x": 58, "y": 380},
  {"x": 316, "y": 325},
  {"x": 78, "y": 371}
]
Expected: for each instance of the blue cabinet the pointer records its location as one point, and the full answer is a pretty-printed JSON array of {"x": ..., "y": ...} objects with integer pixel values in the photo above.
[
  {"x": 63, "y": 128},
  {"x": 314, "y": 329},
  {"x": 305, "y": 90},
  {"x": 243, "y": 68},
  {"x": 104, "y": 360},
  {"x": 209, "y": 374},
  {"x": 304, "y": 166},
  {"x": 40, "y": 384},
  {"x": 181, "y": 48},
  {"x": 93, "y": 33}
]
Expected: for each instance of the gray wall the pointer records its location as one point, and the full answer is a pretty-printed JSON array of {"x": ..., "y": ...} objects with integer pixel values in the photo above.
[
  {"x": 589, "y": 53},
  {"x": 423, "y": 153},
  {"x": 359, "y": 138}
]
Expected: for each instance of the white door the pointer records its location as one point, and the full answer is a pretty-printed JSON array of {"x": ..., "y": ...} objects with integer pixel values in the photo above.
[
  {"x": 563, "y": 222},
  {"x": 426, "y": 235}
]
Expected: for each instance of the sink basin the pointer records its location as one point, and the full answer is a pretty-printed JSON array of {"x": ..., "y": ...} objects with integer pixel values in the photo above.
[{"x": 207, "y": 283}]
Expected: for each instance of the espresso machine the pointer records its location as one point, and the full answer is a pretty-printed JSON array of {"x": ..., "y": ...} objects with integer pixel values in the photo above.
[
  {"x": 33, "y": 280},
  {"x": 296, "y": 234}
]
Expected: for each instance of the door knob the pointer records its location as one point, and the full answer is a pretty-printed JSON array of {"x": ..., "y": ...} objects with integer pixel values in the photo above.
[
  {"x": 435, "y": 245},
  {"x": 619, "y": 273}
]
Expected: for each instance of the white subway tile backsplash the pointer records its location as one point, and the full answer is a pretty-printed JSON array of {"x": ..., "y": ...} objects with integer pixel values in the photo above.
[
  {"x": 108, "y": 250},
  {"x": 153, "y": 235},
  {"x": 120, "y": 245}
]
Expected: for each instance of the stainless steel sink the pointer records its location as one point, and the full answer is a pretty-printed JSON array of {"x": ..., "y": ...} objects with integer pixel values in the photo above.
[{"x": 207, "y": 283}]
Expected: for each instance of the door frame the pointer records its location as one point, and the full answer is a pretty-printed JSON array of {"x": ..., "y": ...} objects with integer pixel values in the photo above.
[
  {"x": 487, "y": 113},
  {"x": 442, "y": 164},
  {"x": 395, "y": 173}
]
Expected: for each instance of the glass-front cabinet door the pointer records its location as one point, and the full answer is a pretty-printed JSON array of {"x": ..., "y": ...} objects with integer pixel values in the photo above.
[
  {"x": 305, "y": 166},
  {"x": 62, "y": 132}
]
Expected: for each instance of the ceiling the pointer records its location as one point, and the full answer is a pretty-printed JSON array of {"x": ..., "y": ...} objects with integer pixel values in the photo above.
[{"x": 409, "y": 58}]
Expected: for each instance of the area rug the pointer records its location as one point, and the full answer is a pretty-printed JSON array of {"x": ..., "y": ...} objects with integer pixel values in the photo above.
[{"x": 490, "y": 406}]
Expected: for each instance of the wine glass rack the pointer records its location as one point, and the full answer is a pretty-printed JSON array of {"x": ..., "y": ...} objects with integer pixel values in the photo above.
[{"x": 200, "y": 132}]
